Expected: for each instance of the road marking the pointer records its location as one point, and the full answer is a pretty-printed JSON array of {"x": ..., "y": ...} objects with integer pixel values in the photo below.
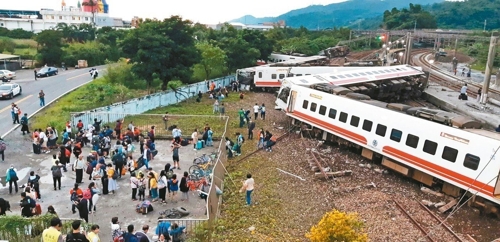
[
  {"x": 77, "y": 76},
  {"x": 16, "y": 102}
]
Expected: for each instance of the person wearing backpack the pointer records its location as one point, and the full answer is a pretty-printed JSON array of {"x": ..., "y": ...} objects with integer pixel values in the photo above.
[
  {"x": 34, "y": 182},
  {"x": 76, "y": 235},
  {"x": 142, "y": 187},
  {"x": 12, "y": 178},
  {"x": 27, "y": 204},
  {"x": 3, "y": 147},
  {"x": 56, "y": 174},
  {"x": 119, "y": 160},
  {"x": 74, "y": 193}
]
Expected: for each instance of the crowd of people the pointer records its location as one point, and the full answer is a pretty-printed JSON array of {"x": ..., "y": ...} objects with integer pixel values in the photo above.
[{"x": 107, "y": 163}]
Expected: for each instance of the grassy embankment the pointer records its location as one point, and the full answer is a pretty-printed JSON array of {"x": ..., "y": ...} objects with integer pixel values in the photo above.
[{"x": 95, "y": 94}]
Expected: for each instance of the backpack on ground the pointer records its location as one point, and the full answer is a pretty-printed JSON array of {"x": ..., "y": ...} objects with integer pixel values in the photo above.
[
  {"x": 13, "y": 175},
  {"x": 3, "y": 146}
]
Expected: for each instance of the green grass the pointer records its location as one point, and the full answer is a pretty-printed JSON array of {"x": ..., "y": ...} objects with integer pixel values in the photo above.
[
  {"x": 25, "y": 51},
  {"x": 26, "y": 43},
  {"x": 478, "y": 66},
  {"x": 95, "y": 94}
]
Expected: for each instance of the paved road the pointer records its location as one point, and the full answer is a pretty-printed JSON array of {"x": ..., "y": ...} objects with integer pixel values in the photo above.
[{"x": 53, "y": 87}]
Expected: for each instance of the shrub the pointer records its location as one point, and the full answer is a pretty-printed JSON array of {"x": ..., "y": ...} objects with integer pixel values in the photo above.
[{"x": 338, "y": 226}]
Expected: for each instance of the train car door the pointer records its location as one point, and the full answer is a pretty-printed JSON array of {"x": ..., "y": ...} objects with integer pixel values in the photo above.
[{"x": 291, "y": 103}]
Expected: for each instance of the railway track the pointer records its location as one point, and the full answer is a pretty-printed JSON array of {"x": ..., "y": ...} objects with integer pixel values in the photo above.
[
  {"x": 432, "y": 227},
  {"x": 450, "y": 81}
]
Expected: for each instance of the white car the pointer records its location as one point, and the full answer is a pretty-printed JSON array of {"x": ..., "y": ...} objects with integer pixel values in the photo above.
[
  {"x": 10, "y": 90},
  {"x": 6, "y": 75}
]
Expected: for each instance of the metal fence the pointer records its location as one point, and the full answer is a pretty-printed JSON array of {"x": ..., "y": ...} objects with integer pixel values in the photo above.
[{"x": 149, "y": 102}]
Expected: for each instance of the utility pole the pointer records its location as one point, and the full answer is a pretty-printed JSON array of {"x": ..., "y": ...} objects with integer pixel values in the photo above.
[
  {"x": 489, "y": 67},
  {"x": 350, "y": 35},
  {"x": 415, "y": 28},
  {"x": 484, "y": 29},
  {"x": 409, "y": 44},
  {"x": 456, "y": 44}
]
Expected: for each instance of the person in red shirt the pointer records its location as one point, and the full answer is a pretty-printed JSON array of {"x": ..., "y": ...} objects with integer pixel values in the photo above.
[{"x": 79, "y": 125}]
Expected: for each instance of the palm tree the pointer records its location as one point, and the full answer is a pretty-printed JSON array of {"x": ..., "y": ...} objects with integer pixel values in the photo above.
[{"x": 93, "y": 5}]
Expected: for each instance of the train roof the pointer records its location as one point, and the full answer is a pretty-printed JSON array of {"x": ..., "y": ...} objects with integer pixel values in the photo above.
[
  {"x": 348, "y": 76},
  {"x": 302, "y": 60}
]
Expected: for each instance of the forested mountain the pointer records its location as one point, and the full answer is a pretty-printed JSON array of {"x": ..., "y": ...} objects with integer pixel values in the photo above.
[
  {"x": 469, "y": 14},
  {"x": 336, "y": 14}
]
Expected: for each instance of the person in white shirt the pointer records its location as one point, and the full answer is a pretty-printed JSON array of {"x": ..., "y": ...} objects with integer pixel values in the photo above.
[
  {"x": 194, "y": 136},
  {"x": 248, "y": 186},
  {"x": 78, "y": 168},
  {"x": 256, "y": 109},
  {"x": 177, "y": 133},
  {"x": 43, "y": 141},
  {"x": 131, "y": 125}
]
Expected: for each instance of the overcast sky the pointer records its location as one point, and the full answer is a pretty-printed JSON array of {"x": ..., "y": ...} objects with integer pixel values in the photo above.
[{"x": 203, "y": 11}]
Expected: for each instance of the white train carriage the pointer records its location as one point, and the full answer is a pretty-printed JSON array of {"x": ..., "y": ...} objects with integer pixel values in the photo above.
[
  {"x": 270, "y": 76},
  {"x": 277, "y": 58},
  {"x": 421, "y": 149}
]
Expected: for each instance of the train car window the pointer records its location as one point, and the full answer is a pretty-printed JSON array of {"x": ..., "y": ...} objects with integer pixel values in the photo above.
[
  {"x": 396, "y": 135},
  {"x": 412, "y": 141},
  {"x": 305, "y": 104},
  {"x": 449, "y": 154},
  {"x": 375, "y": 72},
  {"x": 367, "y": 125},
  {"x": 354, "y": 121},
  {"x": 260, "y": 74},
  {"x": 471, "y": 161},
  {"x": 307, "y": 74},
  {"x": 322, "y": 110},
  {"x": 341, "y": 76},
  {"x": 332, "y": 113},
  {"x": 354, "y": 74},
  {"x": 430, "y": 147},
  {"x": 381, "y": 129},
  {"x": 343, "y": 117},
  {"x": 298, "y": 75},
  {"x": 313, "y": 107},
  {"x": 290, "y": 74},
  {"x": 347, "y": 75},
  {"x": 273, "y": 76},
  {"x": 369, "y": 73},
  {"x": 283, "y": 96},
  {"x": 333, "y": 77},
  {"x": 282, "y": 76},
  {"x": 362, "y": 73}
]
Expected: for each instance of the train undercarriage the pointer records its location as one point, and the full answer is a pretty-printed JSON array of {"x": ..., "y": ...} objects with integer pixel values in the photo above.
[{"x": 439, "y": 186}]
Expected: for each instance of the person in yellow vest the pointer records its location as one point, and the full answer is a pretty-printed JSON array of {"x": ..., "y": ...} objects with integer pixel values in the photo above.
[
  {"x": 93, "y": 235},
  {"x": 53, "y": 233}
]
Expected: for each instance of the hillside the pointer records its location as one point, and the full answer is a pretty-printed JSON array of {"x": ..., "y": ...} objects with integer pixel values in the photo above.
[{"x": 335, "y": 14}]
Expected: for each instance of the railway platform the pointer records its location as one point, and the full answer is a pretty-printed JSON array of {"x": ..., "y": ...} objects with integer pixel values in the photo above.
[{"x": 443, "y": 91}]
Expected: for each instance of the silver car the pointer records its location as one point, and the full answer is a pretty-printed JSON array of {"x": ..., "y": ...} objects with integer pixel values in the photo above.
[{"x": 6, "y": 75}]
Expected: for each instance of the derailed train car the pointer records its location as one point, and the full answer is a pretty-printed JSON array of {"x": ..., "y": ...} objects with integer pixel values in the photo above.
[{"x": 442, "y": 150}]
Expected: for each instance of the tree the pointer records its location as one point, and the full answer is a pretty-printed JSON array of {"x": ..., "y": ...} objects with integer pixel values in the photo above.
[
  {"x": 93, "y": 5},
  {"x": 50, "y": 46},
  {"x": 7, "y": 45},
  {"x": 256, "y": 39},
  {"x": 212, "y": 58},
  {"x": 165, "y": 49},
  {"x": 405, "y": 19},
  {"x": 338, "y": 226}
]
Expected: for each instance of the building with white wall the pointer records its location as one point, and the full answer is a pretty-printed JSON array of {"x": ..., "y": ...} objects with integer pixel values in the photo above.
[{"x": 36, "y": 21}]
